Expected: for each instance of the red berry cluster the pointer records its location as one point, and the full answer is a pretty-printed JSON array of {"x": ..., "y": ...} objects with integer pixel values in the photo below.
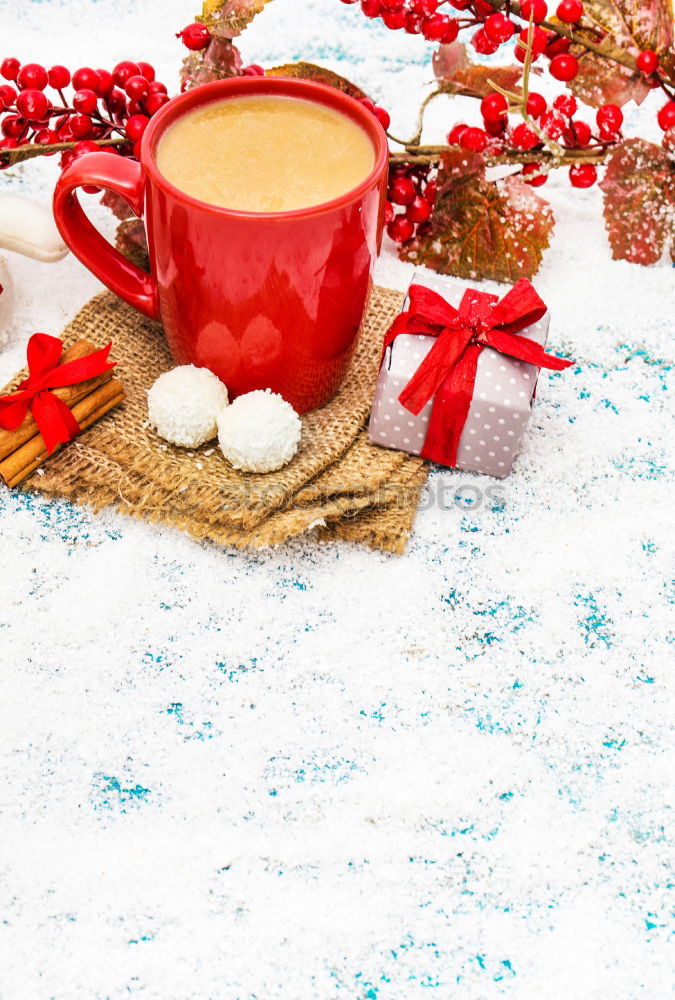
[
  {"x": 411, "y": 191},
  {"x": 557, "y": 123},
  {"x": 34, "y": 107},
  {"x": 417, "y": 17}
]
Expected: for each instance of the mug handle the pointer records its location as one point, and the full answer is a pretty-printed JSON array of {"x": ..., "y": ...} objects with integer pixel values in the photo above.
[{"x": 125, "y": 177}]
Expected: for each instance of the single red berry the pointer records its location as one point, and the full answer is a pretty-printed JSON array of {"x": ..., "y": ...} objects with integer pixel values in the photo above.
[
  {"x": 523, "y": 138},
  {"x": 86, "y": 146},
  {"x": 482, "y": 44},
  {"x": 8, "y": 95},
  {"x": 495, "y": 128},
  {"x": 137, "y": 87},
  {"x": 349, "y": 1},
  {"x": 117, "y": 101},
  {"x": 583, "y": 175},
  {"x": 32, "y": 105},
  {"x": 85, "y": 101},
  {"x": 539, "y": 40},
  {"x": 534, "y": 174},
  {"x": 578, "y": 133},
  {"x": 570, "y": 11},
  {"x": 59, "y": 77},
  {"x": 157, "y": 88},
  {"x": 154, "y": 102},
  {"x": 195, "y": 37},
  {"x": 483, "y": 8},
  {"x": 252, "y": 70},
  {"x": 419, "y": 210},
  {"x": 402, "y": 191},
  {"x": 557, "y": 46},
  {"x": 9, "y": 68},
  {"x": 133, "y": 108},
  {"x": 435, "y": 27},
  {"x": 430, "y": 192},
  {"x": 610, "y": 119},
  {"x": 413, "y": 23},
  {"x": 424, "y": 7},
  {"x": 32, "y": 76},
  {"x": 536, "y": 105},
  {"x": 383, "y": 117},
  {"x": 666, "y": 116},
  {"x": 392, "y": 4},
  {"x": 648, "y": 62},
  {"x": 393, "y": 19},
  {"x": 400, "y": 229},
  {"x": 45, "y": 137},
  {"x": 14, "y": 127},
  {"x": 451, "y": 31},
  {"x": 367, "y": 104},
  {"x": 455, "y": 134},
  {"x": 86, "y": 78},
  {"x": 566, "y": 104},
  {"x": 460, "y": 4},
  {"x": 123, "y": 71},
  {"x": 474, "y": 139},
  {"x": 388, "y": 212},
  {"x": 534, "y": 9},
  {"x": 499, "y": 28},
  {"x": 564, "y": 67},
  {"x": 494, "y": 107},
  {"x": 147, "y": 71},
  {"x": 552, "y": 124},
  {"x": 105, "y": 83},
  {"x": 81, "y": 126},
  {"x": 371, "y": 8},
  {"x": 136, "y": 126}
]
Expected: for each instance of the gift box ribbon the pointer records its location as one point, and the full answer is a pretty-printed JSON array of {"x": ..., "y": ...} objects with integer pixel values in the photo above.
[
  {"x": 54, "y": 420},
  {"x": 448, "y": 372}
]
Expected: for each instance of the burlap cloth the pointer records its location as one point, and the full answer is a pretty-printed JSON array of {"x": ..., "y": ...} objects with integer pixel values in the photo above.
[{"x": 338, "y": 485}]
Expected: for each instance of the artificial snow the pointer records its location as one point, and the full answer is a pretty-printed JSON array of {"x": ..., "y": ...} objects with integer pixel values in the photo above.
[{"x": 325, "y": 772}]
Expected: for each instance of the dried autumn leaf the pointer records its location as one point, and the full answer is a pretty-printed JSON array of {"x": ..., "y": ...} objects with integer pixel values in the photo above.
[
  {"x": 639, "y": 190},
  {"x": 219, "y": 61},
  {"x": 449, "y": 59},
  {"x": 117, "y": 205},
  {"x": 308, "y": 71},
  {"x": 132, "y": 242},
  {"x": 227, "y": 20},
  {"x": 628, "y": 27},
  {"x": 480, "y": 228}
]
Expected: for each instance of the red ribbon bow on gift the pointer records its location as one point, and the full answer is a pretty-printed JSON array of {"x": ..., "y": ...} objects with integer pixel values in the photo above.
[
  {"x": 448, "y": 372},
  {"x": 55, "y": 421}
]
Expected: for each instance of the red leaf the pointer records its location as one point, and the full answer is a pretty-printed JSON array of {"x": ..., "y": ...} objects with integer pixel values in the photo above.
[
  {"x": 480, "y": 228},
  {"x": 639, "y": 190},
  {"x": 628, "y": 26}
]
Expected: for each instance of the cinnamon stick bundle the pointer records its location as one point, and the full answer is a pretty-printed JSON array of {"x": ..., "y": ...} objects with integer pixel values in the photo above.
[{"x": 22, "y": 451}]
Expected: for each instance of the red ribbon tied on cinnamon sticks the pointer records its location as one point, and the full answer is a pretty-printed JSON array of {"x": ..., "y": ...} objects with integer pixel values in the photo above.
[
  {"x": 448, "y": 372},
  {"x": 55, "y": 421}
]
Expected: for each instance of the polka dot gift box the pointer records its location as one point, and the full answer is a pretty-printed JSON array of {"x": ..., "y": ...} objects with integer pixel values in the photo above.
[{"x": 459, "y": 370}]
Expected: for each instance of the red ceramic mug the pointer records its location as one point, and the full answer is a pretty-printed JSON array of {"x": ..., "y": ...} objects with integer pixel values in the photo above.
[{"x": 269, "y": 300}]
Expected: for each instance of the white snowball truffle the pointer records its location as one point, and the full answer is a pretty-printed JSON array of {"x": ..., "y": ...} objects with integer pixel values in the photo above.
[
  {"x": 259, "y": 431},
  {"x": 184, "y": 404}
]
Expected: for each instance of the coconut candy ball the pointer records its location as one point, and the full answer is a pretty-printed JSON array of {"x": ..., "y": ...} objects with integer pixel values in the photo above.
[
  {"x": 184, "y": 403},
  {"x": 259, "y": 431}
]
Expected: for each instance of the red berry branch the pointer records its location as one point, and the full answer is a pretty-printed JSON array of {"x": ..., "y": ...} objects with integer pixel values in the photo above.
[{"x": 444, "y": 210}]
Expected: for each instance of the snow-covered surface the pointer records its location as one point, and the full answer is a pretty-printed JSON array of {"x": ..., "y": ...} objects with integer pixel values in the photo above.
[{"x": 326, "y": 772}]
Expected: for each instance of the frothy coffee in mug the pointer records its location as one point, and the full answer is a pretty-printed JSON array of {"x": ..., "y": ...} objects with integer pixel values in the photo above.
[{"x": 265, "y": 153}]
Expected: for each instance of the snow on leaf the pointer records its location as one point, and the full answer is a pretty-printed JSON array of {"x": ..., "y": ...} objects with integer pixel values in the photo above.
[
  {"x": 308, "y": 71},
  {"x": 629, "y": 26},
  {"x": 639, "y": 195},
  {"x": 480, "y": 228},
  {"x": 228, "y": 19}
]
